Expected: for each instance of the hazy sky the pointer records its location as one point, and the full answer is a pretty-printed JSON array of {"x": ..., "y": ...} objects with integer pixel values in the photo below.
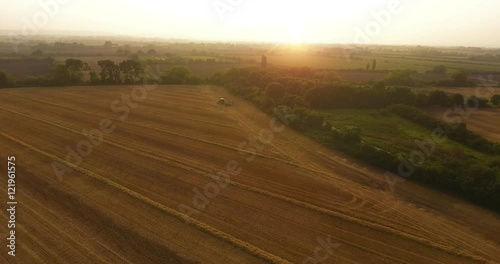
[{"x": 427, "y": 22}]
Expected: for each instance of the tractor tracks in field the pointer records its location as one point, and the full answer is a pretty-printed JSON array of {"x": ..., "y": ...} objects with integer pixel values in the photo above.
[
  {"x": 251, "y": 249},
  {"x": 151, "y": 110},
  {"x": 164, "y": 131},
  {"x": 66, "y": 237},
  {"x": 427, "y": 227},
  {"x": 186, "y": 164},
  {"x": 343, "y": 240},
  {"x": 174, "y": 160},
  {"x": 190, "y": 167}
]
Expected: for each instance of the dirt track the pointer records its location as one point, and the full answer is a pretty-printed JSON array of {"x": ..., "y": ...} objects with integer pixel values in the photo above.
[{"x": 122, "y": 203}]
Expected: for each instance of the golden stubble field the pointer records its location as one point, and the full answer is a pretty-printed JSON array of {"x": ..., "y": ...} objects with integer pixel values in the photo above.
[{"x": 176, "y": 178}]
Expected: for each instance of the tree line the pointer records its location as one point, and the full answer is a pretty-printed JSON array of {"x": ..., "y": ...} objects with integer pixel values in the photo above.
[
  {"x": 78, "y": 72},
  {"x": 323, "y": 89}
]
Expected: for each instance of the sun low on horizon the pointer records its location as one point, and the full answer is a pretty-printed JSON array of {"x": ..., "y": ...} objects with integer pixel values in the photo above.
[{"x": 423, "y": 22}]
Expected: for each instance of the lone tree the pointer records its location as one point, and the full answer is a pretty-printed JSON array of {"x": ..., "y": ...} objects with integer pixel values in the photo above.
[
  {"x": 374, "y": 65},
  {"x": 263, "y": 61}
]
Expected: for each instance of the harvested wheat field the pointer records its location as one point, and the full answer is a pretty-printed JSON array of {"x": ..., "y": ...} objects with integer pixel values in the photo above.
[{"x": 177, "y": 178}]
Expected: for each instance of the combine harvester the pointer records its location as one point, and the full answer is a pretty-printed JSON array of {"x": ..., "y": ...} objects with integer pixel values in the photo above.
[{"x": 223, "y": 102}]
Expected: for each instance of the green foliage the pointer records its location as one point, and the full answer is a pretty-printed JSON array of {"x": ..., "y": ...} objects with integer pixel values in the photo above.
[
  {"x": 439, "y": 69},
  {"x": 37, "y": 53},
  {"x": 474, "y": 101},
  {"x": 302, "y": 118},
  {"x": 457, "y": 79},
  {"x": 69, "y": 73},
  {"x": 275, "y": 90},
  {"x": 415, "y": 115},
  {"x": 438, "y": 97},
  {"x": 457, "y": 99},
  {"x": 94, "y": 78},
  {"x": 495, "y": 100},
  {"x": 327, "y": 76},
  {"x": 194, "y": 80},
  {"x": 60, "y": 75},
  {"x": 351, "y": 135},
  {"x": 401, "y": 78},
  {"x": 400, "y": 95},
  {"x": 151, "y": 52},
  {"x": 43, "y": 80},
  {"x": 319, "y": 97},
  {"x": 110, "y": 72},
  {"x": 176, "y": 75},
  {"x": 457, "y": 132},
  {"x": 322, "y": 89},
  {"x": 7, "y": 80},
  {"x": 75, "y": 69},
  {"x": 460, "y": 165},
  {"x": 132, "y": 71},
  {"x": 263, "y": 102},
  {"x": 123, "y": 52}
]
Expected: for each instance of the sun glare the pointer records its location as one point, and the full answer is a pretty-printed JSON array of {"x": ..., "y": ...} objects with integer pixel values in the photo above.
[{"x": 295, "y": 34}]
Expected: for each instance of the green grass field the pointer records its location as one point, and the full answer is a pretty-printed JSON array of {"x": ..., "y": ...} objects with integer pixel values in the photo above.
[{"x": 394, "y": 134}]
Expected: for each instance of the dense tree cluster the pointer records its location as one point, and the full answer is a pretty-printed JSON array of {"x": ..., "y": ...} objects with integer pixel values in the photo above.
[
  {"x": 322, "y": 89},
  {"x": 457, "y": 79}
]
